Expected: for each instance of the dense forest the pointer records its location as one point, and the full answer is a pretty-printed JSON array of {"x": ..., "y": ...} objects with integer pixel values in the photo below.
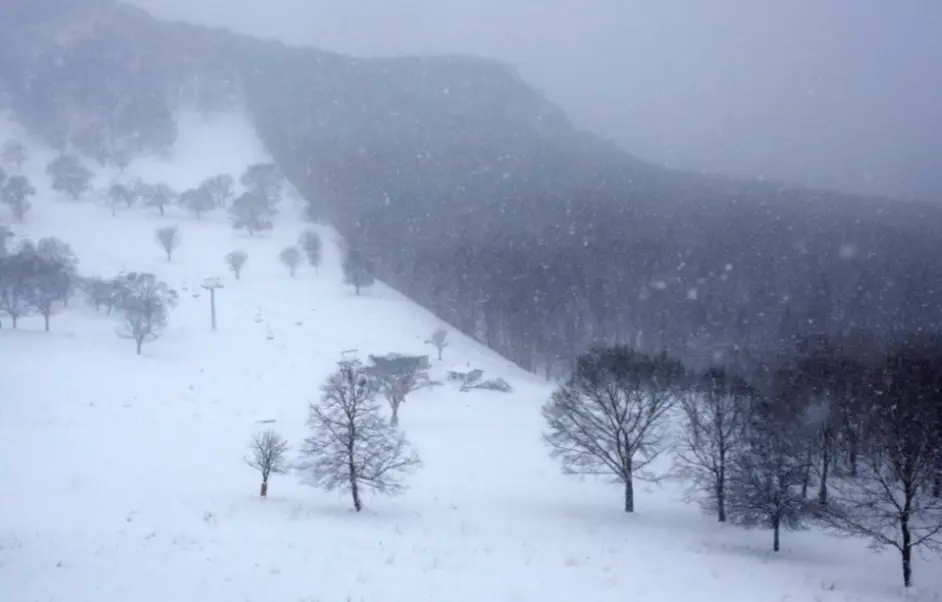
[{"x": 472, "y": 193}]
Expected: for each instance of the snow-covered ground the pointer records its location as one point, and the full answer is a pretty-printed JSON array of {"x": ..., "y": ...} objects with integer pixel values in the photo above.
[{"x": 122, "y": 477}]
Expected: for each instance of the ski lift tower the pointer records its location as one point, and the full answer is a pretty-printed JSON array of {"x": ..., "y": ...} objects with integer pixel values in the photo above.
[{"x": 211, "y": 284}]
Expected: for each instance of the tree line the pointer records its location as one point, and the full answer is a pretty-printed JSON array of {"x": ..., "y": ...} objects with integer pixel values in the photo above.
[{"x": 854, "y": 447}]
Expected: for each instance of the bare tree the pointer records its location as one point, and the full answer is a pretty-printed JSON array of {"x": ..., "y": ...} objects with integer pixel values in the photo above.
[
  {"x": 890, "y": 500},
  {"x": 310, "y": 242},
  {"x": 439, "y": 340},
  {"x": 713, "y": 431},
  {"x": 291, "y": 257},
  {"x": 169, "y": 239},
  {"x": 144, "y": 304},
  {"x": 351, "y": 446},
  {"x": 267, "y": 451},
  {"x": 398, "y": 376},
  {"x": 236, "y": 261},
  {"x": 765, "y": 477},
  {"x": 609, "y": 417}
]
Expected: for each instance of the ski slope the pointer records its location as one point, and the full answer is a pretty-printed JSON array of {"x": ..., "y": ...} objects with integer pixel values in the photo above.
[{"x": 122, "y": 477}]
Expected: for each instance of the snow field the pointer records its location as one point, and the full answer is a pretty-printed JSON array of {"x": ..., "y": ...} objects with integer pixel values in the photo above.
[{"x": 122, "y": 476}]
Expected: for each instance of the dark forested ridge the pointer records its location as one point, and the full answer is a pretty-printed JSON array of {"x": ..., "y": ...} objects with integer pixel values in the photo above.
[{"x": 475, "y": 196}]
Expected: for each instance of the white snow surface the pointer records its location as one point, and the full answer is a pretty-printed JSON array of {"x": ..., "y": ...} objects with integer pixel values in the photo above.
[{"x": 122, "y": 477}]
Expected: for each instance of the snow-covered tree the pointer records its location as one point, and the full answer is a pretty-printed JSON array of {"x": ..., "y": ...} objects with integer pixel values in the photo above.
[
  {"x": 291, "y": 257},
  {"x": 144, "y": 303},
  {"x": 53, "y": 278},
  {"x": 310, "y": 242},
  {"x": 263, "y": 179},
  {"x": 219, "y": 188},
  {"x": 15, "y": 193},
  {"x": 69, "y": 175},
  {"x": 439, "y": 340},
  {"x": 267, "y": 451},
  {"x": 158, "y": 196},
  {"x": 609, "y": 418},
  {"x": 357, "y": 269},
  {"x": 169, "y": 239},
  {"x": 17, "y": 270},
  {"x": 119, "y": 193},
  {"x": 236, "y": 261},
  {"x": 252, "y": 212},
  {"x": 351, "y": 446},
  {"x": 197, "y": 202}
]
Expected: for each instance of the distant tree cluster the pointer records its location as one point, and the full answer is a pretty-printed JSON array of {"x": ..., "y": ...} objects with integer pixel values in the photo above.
[
  {"x": 141, "y": 302},
  {"x": 37, "y": 278},
  {"x": 824, "y": 440}
]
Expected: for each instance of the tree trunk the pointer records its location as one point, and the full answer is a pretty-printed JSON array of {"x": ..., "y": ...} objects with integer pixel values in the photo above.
[
  {"x": 140, "y": 343},
  {"x": 806, "y": 480},
  {"x": 776, "y": 528},
  {"x": 355, "y": 491},
  {"x": 13, "y": 319},
  {"x": 46, "y": 321},
  {"x": 721, "y": 498},
  {"x": 825, "y": 462},
  {"x": 263, "y": 492},
  {"x": 906, "y": 550},
  {"x": 394, "y": 421},
  {"x": 439, "y": 354},
  {"x": 629, "y": 494}
]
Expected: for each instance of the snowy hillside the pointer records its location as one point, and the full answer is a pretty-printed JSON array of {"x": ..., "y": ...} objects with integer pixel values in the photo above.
[{"x": 122, "y": 477}]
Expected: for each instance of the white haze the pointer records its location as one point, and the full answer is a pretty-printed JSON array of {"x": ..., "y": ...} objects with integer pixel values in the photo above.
[{"x": 831, "y": 93}]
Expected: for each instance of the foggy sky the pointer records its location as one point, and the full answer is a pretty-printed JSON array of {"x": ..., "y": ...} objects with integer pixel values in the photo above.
[{"x": 830, "y": 93}]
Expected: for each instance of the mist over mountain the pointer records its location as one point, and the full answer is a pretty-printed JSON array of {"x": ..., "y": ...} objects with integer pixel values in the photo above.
[{"x": 474, "y": 194}]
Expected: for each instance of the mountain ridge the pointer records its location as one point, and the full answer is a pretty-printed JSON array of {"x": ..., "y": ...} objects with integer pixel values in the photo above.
[{"x": 477, "y": 197}]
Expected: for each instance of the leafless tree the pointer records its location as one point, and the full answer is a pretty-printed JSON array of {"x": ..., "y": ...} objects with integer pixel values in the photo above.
[
  {"x": 396, "y": 377},
  {"x": 609, "y": 417},
  {"x": 890, "y": 500},
  {"x": 291, "y": 257},
  {"x": 169, "y": 239},
  {"x": 144, "y": 304},
  {"x": 236, "y": 260},
  {"x": 351, "y": 446},
  {"x": 765, "y": 477},
  {"x": 267, "y": 455},
  {"x": 713, "y": 430},
  {"x": 439, "y": 340}
]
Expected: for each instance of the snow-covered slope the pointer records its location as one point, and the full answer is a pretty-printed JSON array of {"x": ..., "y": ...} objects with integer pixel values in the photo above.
[{"x": 121, "y": 477}]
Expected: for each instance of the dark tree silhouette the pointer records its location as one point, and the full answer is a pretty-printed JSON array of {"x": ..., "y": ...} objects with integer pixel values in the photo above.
[
  {"x": 351, "y": 446},
  {"x": 609, "y": 418}
]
